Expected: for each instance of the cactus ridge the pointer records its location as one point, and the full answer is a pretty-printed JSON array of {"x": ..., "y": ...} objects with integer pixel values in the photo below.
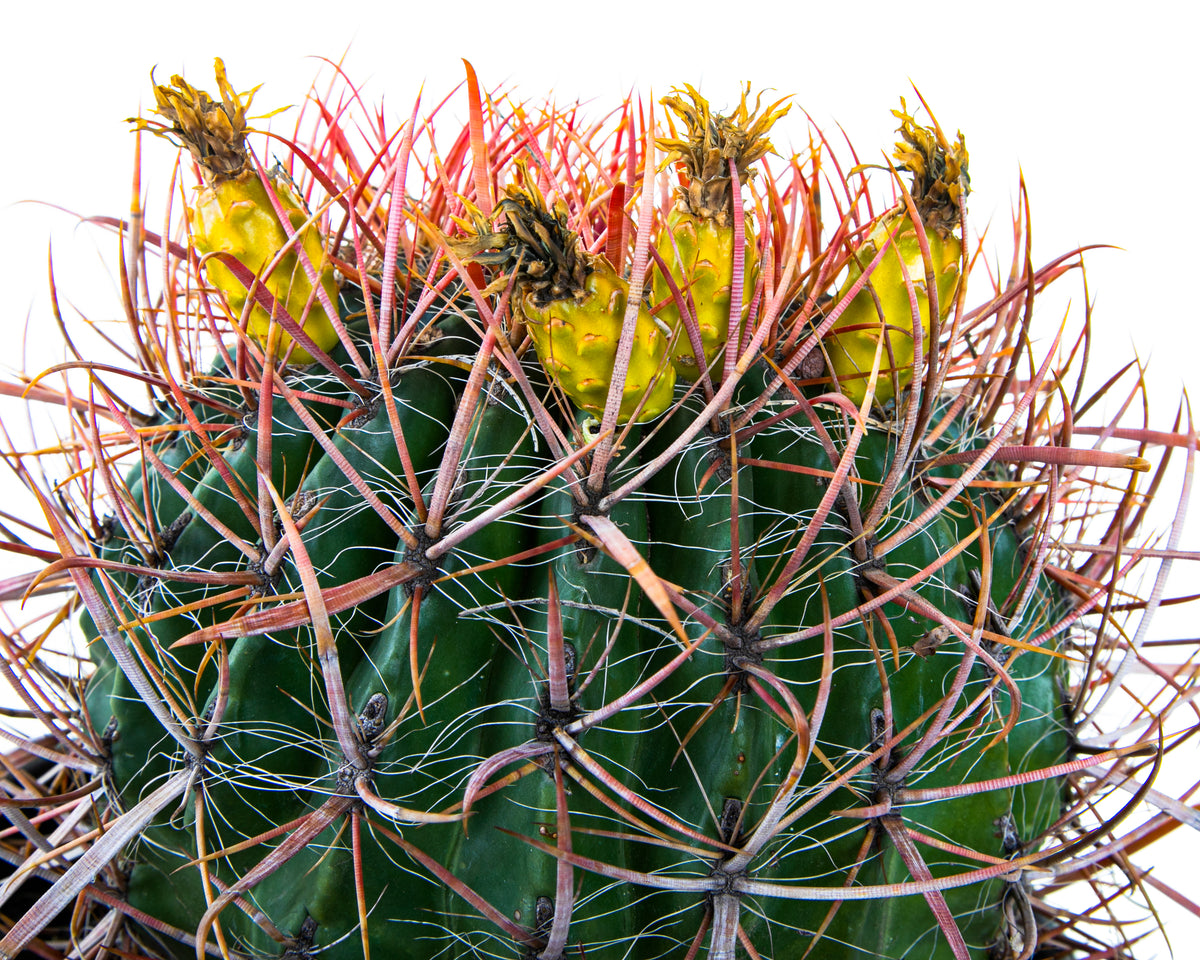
[{"x": 432, "y": 648}]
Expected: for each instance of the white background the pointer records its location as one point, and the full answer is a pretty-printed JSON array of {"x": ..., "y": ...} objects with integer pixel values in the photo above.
[{"x": 1096, "y": 108}]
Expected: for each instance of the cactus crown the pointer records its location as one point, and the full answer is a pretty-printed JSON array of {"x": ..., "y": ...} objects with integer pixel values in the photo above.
[
  {"x": 939, "y": 169},
  {"x": 711, "y": 141},
  {"x": 214, "y": 132},
  {"x": 534, "y": 241}
]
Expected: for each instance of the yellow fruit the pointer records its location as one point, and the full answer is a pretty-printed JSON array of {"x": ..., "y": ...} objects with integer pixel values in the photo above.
[
  {"x": 573, "y": 303},
  {"x": 703, "y": 271},
  {"x": 870, "y": 335},
  {"x": 233, "y": 214},
  {"x": 236, "y": 217},
  {"x": 703, "y": 217},
  {"x": 858, "y": 332},
  {"x": 576, "y": 340}
]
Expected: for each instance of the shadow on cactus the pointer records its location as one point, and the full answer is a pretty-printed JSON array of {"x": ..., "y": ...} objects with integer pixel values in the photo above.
[{"x": 477, "y": 559}]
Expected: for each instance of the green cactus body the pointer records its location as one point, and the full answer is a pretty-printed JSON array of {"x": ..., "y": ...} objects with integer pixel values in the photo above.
[
  {"x": 421, "y": 763},
  {"x": 148, "y": 495},
  {"x": 198, "y": 546},
  {"x": 598, "y": 614},
  {"x": 713, "y": 739},
  {"x": 482, "y": 650},
  {"x": 919, "y": 669},
  {"x": 267, "y": 725}
]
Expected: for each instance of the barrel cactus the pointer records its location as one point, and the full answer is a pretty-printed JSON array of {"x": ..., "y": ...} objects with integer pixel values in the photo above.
[{"x": 430, "y": 614}]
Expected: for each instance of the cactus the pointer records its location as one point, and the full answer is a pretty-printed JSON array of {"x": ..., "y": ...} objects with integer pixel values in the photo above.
[{"x": 459, "y": 628}]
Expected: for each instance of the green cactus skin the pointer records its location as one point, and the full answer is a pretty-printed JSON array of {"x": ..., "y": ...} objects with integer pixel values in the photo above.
[
  {"x": 897, "y": 927},
  {"x": 182, "y": 454},
  {"x": 198, "y": 546},
  {"x": 692, "y": 518},
  {"x": 270, "y": 672}
]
